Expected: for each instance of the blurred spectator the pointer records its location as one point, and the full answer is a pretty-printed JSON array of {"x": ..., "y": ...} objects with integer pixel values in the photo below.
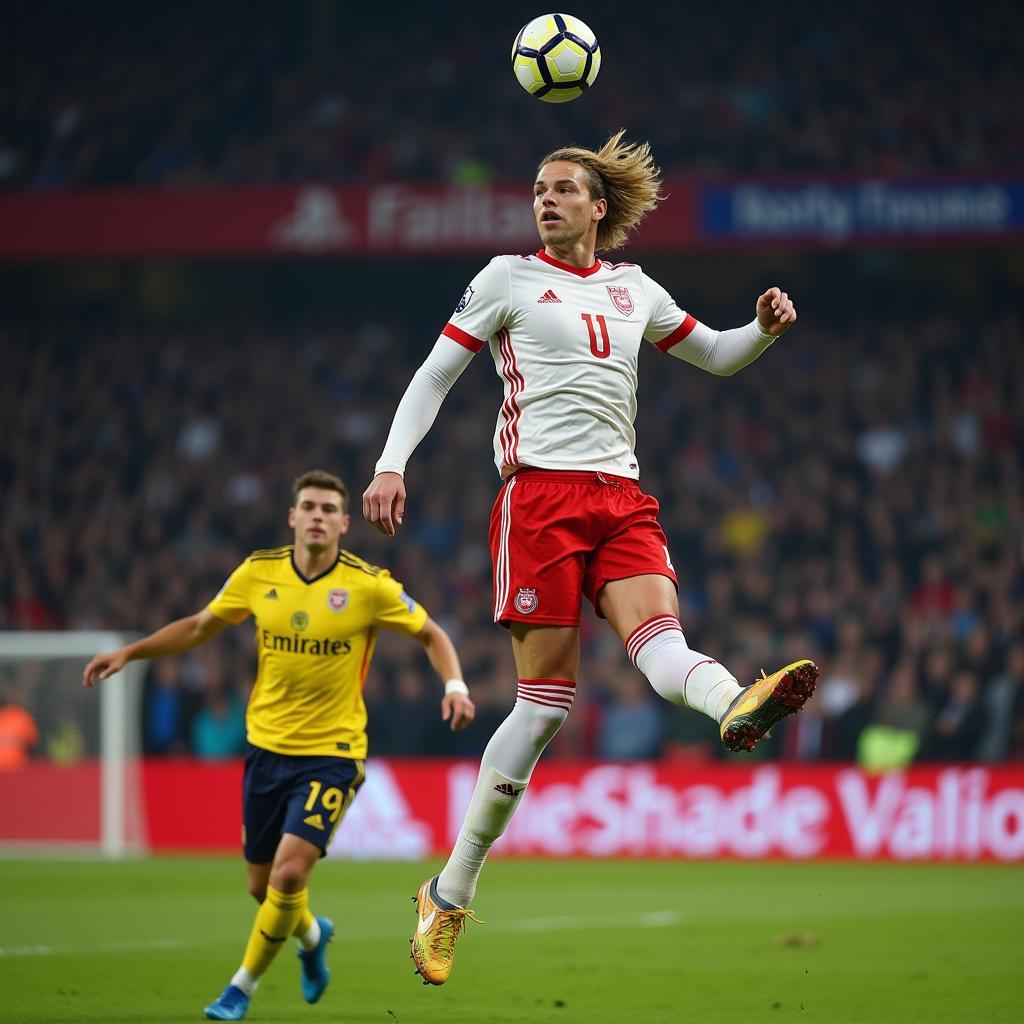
[
  {"x": 631, "y": 727},
  {"x": 960, "y": 720},
  {"x": 27, "y": 607},
  {"x": 901, "y": 706},
  {"x": 18, "y": 731},
  {"x": 851, "y": 724},
  {"x": 165, "y": 727},
  {"x": 936, "y": 672},
  {"x": 1016, "y": 751},
  {"x": 65, "y": 742},
  {"x": 900, "y": 724},
  {"x": 1002, "y": 694},
  {"x": 934, "y": 596},
  {"x": 413, "y": 726},
  {"x": 687, "y": 738},
  {"x": 858, "y": 714},
  {"x": 218, "y": 729}
]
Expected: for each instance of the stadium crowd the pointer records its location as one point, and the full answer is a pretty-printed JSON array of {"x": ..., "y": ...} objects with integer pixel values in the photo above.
[
  {"x": 191, "y": 95},
  {"x": 854, "y": 496}
]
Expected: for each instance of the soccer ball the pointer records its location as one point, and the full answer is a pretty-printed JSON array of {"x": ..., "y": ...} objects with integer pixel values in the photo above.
[{"x": 556, "y": 58}]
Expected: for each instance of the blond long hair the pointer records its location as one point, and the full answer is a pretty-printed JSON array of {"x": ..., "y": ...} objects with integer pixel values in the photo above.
[{"x": 622, "y": 173}]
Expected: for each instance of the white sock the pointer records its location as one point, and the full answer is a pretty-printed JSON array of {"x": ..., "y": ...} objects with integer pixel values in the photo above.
[
  {"x": 506, "y": 766},
  {"x": 658, "y": 648},
  {"x": 245, "y": 981},
  {"x": 494, "y": 801},
  {"x": 310, "y": 938}
]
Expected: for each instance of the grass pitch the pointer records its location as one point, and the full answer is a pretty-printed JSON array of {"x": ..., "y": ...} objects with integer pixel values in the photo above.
[{"x": 570, "y": 942}]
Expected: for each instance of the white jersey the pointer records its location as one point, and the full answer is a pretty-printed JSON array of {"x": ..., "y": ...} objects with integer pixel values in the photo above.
[{"x": 565, "y": 342}]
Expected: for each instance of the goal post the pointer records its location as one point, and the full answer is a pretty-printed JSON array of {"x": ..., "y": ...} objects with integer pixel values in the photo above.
[{"x": 70, "y": 777}]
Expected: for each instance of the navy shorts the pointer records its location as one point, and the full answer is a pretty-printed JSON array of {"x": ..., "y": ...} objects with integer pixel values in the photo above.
[{"x": 304, "y": 796}]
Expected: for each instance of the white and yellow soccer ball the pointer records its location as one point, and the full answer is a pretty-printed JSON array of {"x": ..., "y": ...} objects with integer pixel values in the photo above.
[{"x": 556, "y": 58}]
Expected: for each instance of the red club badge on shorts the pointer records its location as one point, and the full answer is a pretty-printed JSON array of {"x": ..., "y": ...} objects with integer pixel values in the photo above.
[
  {"x": 526, "y": 600},
  {"x": 620, "y": 296},
  {"x": 337, "y": 600}
]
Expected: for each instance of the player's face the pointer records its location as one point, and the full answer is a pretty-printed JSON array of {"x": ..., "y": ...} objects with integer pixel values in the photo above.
[
  {"x": 563, "y": 206},
  {"x": 317, "y": 518}
]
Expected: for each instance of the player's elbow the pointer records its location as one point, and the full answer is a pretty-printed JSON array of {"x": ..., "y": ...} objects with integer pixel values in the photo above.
[
  {"x": 430, "y": 634},
  {"x": 439, "y": 382},
  {"x": 731, "y": 369},
  {"x": 724, "y": 371}
]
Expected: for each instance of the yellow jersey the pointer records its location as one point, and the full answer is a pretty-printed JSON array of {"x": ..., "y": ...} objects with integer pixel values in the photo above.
[{"x": 315, "y": 638}]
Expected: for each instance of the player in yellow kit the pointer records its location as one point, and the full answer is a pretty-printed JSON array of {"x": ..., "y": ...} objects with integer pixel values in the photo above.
[{"x": 317, "y": 609}]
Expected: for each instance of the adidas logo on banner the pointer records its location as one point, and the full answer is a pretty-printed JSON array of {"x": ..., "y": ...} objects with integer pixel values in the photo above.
[
  {"x": 271, "y": 594},
  {"x": 549, "y": 296}
]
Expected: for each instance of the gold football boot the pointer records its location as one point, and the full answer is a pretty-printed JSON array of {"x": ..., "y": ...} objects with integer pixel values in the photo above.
[
  {"x": 758, "y": 707},
  {"x": 432, "y": 946}
]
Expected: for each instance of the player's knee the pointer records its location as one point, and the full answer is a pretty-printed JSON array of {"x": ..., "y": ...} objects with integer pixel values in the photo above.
[
  {"x": 543, "y": 721},
  {"x": 289, "y": 876},
  {"x": 258, "y": 890}
]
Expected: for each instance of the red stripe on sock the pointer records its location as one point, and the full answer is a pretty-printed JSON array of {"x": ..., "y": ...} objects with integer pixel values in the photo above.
[
  {"x": 553, "y": 693},
  {"x": 556, "y": 690},
  {"x": 648, "y": 630},
  {"x": 565, "y": 706}
]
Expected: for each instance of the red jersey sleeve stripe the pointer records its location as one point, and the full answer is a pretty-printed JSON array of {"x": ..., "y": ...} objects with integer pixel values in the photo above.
[
  {"x": 464, "y": 339},
  {"x": 678, "y": 334}
]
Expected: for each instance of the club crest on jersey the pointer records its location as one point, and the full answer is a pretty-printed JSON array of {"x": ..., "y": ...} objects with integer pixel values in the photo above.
[
  {"x": 526, "y": 600},
  {"x": 467, "y": 295},
  {"x": 337, "y": 600},
  {"x": 620, "y": 296}
]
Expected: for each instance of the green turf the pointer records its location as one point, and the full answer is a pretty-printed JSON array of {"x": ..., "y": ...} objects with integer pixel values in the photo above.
[{"x": 571, "y": 942}]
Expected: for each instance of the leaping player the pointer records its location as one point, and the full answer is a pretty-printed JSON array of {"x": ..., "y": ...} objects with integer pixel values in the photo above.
[{"x": 570, "y": 520}]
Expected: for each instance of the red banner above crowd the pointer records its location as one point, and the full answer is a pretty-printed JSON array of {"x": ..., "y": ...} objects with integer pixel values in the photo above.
[
  {"x": 410, "y": 219},
  {"x": 310, "y": 220}
]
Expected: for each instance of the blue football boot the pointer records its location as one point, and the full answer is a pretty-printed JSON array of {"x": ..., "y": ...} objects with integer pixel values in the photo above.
[
  {"x": 231, "y": 1005},
  {"x": 315, "y": 973}
]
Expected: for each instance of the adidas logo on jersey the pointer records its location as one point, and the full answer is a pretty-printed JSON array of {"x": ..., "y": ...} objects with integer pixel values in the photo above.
[
  {"x": 549, "y": 296},
  {"x": 271, "y": 594},
  {"x": 315, "y": 821}
]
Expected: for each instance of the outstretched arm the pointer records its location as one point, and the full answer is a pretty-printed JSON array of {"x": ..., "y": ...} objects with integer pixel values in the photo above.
[
  {"x": 725, "y": 352},
  {"x": 174, "y": 638},
  {"x": 384, "y": 499},
  {"x": 455, "y": 704}
]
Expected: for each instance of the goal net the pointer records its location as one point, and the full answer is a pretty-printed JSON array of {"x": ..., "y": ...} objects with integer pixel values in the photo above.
[{"x": 70, "y": 770}]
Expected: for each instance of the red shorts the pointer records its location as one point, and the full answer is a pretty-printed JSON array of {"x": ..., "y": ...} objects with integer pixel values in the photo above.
[{"x": 559, "y": 536}]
